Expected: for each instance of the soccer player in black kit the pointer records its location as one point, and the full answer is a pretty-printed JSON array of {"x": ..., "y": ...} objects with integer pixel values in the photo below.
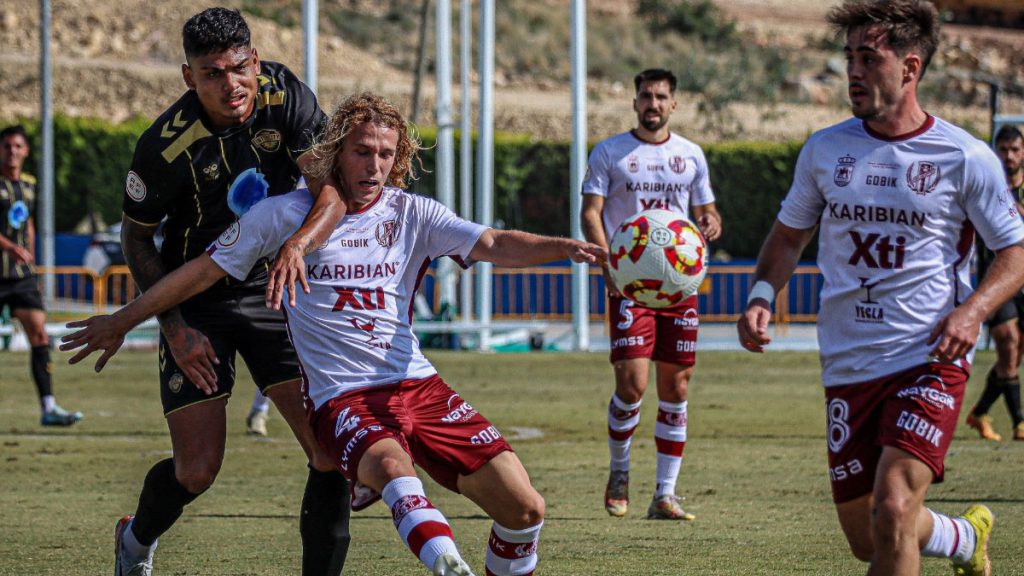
[{"x": 239, "y": 113}]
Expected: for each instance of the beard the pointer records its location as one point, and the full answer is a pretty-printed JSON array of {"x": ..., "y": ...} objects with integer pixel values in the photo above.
[{"x": 653, "y": 124}]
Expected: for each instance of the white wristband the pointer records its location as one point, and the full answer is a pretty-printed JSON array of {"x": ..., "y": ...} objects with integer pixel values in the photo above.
[{"x": 761, "y": 289}]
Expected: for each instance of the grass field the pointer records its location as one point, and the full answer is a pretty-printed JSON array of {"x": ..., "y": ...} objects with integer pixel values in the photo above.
[{"x": 754, "y": 474}]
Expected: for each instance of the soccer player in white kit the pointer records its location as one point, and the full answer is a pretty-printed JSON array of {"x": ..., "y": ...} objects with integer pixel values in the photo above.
[
  {"x": 898, "y": 195},
  {"x": 375, "y": 402},
  {"x": 648, "y": 167}
]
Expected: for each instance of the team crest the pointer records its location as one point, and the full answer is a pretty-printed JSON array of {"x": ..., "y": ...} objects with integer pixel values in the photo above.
[
  {"x": 134, "y": 187},
  {"x": 387, "y": 233},
  {"x": 267, "y": 140},
  {"x": 175, "y": 382},
  {"x": 633, "y": 164},
  {"x": 212, "y": 172},
  {"x": 677, "y": 164},
  {"x": 230, "y": 236},
  {"x": 844, "y": 171},
  {"x": 923, "y": 176}
]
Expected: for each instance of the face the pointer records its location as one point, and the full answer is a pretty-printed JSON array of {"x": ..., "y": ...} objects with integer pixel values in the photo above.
[
  {"x": 1011, "y": 152},
  {"x": 877, "y": 76},
  {"x": 364, "y": 162},
  {"x": 654, "y": 104},
  {"x": 13, "y": 151},
  {"x": 225, "y": 83}
]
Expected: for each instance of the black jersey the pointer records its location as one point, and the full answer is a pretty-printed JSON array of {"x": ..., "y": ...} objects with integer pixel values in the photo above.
[
  {"x": 17, "y": 206},
  {"x": 182, "y": 169}
]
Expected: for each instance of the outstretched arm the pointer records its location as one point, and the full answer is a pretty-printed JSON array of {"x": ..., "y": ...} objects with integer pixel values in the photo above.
[
  {"x": 107, "y": 332},
  {"x": 775, "y": 264},
  {"x": 328, "y": 209},
  {"x": 516, "y": 249}
]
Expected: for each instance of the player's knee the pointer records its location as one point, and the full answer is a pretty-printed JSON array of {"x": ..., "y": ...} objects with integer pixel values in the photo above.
[
  {"x": 321, "y": 462},
  {"x": 893, "y": 517},
  {"x": 531, "y": 512},
  {"x": 197, "y": 477}
]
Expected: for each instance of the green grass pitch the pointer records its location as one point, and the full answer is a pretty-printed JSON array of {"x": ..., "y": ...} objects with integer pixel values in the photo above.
[{"x": 754, "y": 474}]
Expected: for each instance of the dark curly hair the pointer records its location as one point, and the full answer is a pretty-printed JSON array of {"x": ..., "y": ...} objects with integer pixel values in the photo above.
[
  {"x": 909, "y": 25},
  {"x": 214, "y": 30},
  {"x": 357, "y": 109}
]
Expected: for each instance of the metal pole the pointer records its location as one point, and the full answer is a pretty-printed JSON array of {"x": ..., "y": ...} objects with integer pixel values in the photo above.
[
  {"x": 466, "y": 143},
  {"x": 445, "y": 135},
  {"x": 46, "y": 157},
  {"x": 309, "y": 41},
  {"x": 485, "y": 162},
  {"x": 580, "y": 275}
]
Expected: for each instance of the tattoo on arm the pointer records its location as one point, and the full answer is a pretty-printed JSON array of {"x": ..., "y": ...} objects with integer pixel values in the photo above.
[{"x": 147, "y": 267}]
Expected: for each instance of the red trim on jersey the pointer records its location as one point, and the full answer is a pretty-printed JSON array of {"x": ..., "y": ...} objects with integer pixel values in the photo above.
[
  {"x": 963, "y": 247},
  {"x": 416, "y": 287},
  {"x": 211, "y": 250},
  {"x": 665, "y": 141},
  {"x": 929, "y": 121},
  {"x": 370, "y": 205}
]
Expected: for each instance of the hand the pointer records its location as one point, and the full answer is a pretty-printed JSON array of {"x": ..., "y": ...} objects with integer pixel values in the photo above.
[
  {"x": 955, "y": 334},
  {"x": 753, "y": 325},
  {"x": 288, "y": 267},
  {"x": 710, "y": 224},
  {"x": 585, "y": 252},
  {"x": 21, "y": 255},
  {"x": 194, "y": 355},
  {"x": 609, "y": 284},
  {"x": 97, "y": 333}
]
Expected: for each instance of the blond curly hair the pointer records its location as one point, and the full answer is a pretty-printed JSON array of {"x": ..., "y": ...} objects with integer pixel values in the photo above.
[{"x": 357, "y": 109}]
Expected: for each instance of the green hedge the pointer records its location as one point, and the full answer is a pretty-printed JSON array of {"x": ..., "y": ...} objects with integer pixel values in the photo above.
[{"x": 531, "y": 179}]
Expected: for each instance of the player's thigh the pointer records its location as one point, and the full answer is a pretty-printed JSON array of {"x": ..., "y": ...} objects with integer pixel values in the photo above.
[
  {"x": 631, "y": 377},
  {"x": 675, "y": 340},
  {"x": 382, "y": 462},
  {"x": 198, "y": 434},
  {"x": 33, "y": 320},
  {"x": 502, "y": 489},
  {"x": 902, "y": 480},
  {"x": 631, "y": 330},
  {"x": 263, "y": 342},
  {"x": 177, "y": 392},
  {"x": 855, "y": 520},
  {"x": 288, "y": 398}
]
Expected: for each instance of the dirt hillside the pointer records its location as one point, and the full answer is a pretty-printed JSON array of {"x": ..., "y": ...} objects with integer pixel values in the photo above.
[{"x": 121, "y": 59}]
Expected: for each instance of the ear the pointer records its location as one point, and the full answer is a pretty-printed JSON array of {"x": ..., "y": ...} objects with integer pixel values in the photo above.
[
  {"x": 256, "y": 59},
  {"x": 635, "y": 108},
  {"x": 186, "y": 75},
  {"x": 911, "y": 68}
]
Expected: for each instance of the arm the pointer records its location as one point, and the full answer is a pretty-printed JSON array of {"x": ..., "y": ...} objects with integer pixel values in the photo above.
[
  {"x": 709, "y": 221},
  {"x": 327, "y": 210},
  {"x": 775, "y": 264},
  {"x": 516, "y": 249},
  {"x": 20, "y": 254},
  {"x": 107, "y": 332},
  {"x": 593, "y": 230},
  {"x": 957, "y": 333}
]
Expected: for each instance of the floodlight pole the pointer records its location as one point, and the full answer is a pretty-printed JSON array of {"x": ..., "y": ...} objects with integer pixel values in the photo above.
[
  {"x": 46, "y": 155},
  {"x": 580, "y": 272},
  {"x": 485, "y": 164},
  {"x": 445, "y": 136},
  {"x": 309, "y": 35}
]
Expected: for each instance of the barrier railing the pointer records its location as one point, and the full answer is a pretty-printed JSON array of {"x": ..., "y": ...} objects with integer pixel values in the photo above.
[{"x": 536, "y": 293}]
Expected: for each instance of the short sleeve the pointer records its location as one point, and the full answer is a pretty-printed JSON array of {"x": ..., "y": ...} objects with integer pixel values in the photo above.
[
  {"x": 150, "y": 187},
  {"x": 988, "y": 200},
  {"x": 304, "y": 118},
  {"x": 258, "y": 233},
  {"x": 446, "y": 233},
  {"x": 702, "y": 193},
  {"x": 804, "y": 203},
  {"x": 598, "y": 175}
]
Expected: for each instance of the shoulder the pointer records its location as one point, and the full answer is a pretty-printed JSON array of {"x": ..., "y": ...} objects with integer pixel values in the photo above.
[
  {"x": 684, "y": 145},
  {"x": 837, "y": 134},
  {"x": 173, "y": 131},
  {"x": 28, "y": 179},
  {"x": 277, "y": 79},
  {"x": 962, "y": 139}
]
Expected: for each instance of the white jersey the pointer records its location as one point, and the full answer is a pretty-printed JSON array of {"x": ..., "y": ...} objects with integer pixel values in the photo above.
[
  {"x": 634, "y": 175},
  {"x": 354, "y": 329},
  {"x": 897, "y": 219}
]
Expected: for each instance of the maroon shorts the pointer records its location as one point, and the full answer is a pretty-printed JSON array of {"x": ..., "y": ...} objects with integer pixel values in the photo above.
[
  {"x": 443, "y": 434},
  {"x": 665, "y": 335},
  {"x": 915, "y": 411}
]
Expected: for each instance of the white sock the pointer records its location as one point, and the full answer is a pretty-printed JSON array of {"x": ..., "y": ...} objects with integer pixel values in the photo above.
[
  {"x": 623, "y": 419},
  {"x": 670, "y": 438},
  {"x": 943, "y": 539},
  {"x": 968, "y": 539},
  {"x": 48, "y": 402},
  {"x": 131, "y": 545},
  {"x": 260, "y": 403},
  {"x": 421, "y": 526},
  {"x": 512, "y": 552}
]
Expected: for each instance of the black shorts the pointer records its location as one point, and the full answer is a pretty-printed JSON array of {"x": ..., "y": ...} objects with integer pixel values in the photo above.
[
  {"x": 21, "y": 293},
  {"x": 1012, "y": 308},
  {"x": 235, "y": 320}
]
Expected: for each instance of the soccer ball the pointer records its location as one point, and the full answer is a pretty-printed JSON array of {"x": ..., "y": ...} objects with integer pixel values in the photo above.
[{"x": 657, "y": 258}]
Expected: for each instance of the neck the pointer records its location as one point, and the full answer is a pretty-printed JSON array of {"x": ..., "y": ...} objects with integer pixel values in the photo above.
[
  {"x": 904, "y": 120},
  {"x": 655, "y": 137},
  {"x": 11, "y": 173}
]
